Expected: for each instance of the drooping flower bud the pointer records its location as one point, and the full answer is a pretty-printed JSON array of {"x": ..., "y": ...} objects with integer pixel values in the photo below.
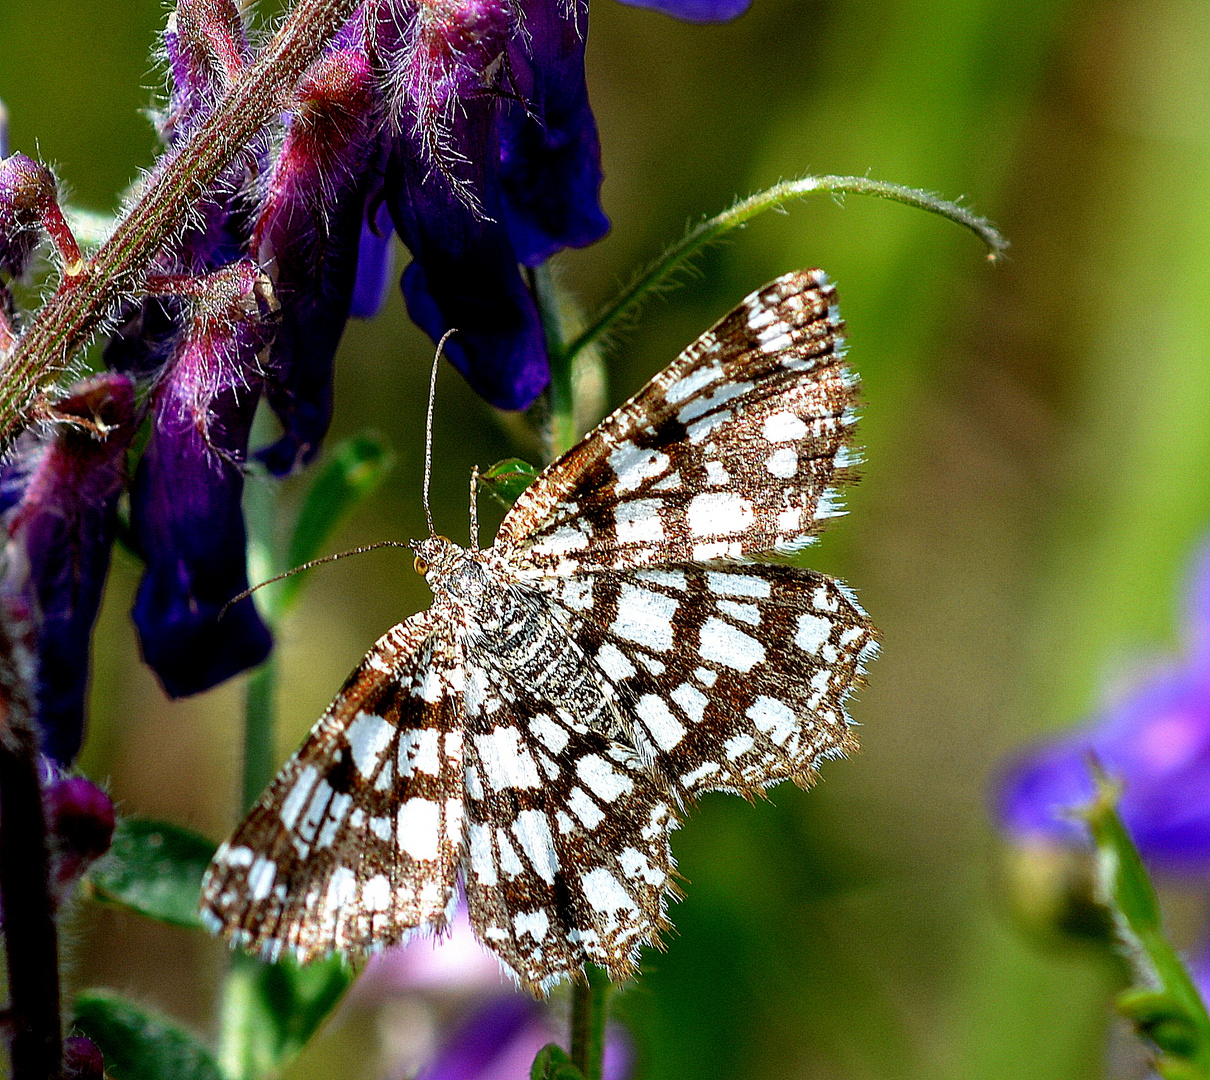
[
  {"x": 699, "y": 11},
  {"x": 79, "y": 829},
  {"x": 25, "y": 189},
  {"x": 185, "y": 507},
  {"x": 206, "y": 46},
  {"x": 59, "y": 497},
  {"x": 307, "y": 237},
  {"x": 82, "y": 1059}
]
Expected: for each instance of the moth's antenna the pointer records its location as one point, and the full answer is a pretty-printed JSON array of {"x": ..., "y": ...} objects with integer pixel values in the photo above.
[
  {"x": 428, "y": 431},
  {"x": 307, "y": 566},
  {"x": 475, "y": 508}
]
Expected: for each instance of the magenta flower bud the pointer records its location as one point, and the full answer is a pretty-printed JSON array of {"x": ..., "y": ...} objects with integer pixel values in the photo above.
[
  {"x": 82, "y": 1059},
  {"x": 26, "y": 188},
  {"x": 79, "y": 825},
  {"x": 59, "y": 499},
  {"x": 205, "y": 44},
  {"x": 308, "y": 236}
]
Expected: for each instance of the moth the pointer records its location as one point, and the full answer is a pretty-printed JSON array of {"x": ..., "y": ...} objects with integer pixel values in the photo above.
[{"x": 618, "y": 651}]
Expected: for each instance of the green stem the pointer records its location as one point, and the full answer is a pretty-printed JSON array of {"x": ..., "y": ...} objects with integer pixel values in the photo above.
[
  {"x": 589, "y": 1011},
  {"x": 260, "y": 712},
  {"x": 563, "y": 434},
  {"x": 743, "y": 211}
]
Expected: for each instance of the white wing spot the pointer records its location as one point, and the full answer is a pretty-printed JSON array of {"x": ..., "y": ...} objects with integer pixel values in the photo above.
[
  {"x": 632, "y": 465},
  {"x": 723, "y": 643},
  {"x": 604, "y": 893},
  {"x": 580, "y": 803},
  {"x": 724, "y": 584},
  {"x": 775, "y": 718},
  {"x": 693, "y": 382},
  {"x": 419, "y": 828},
  {"x": 368, "y": 736},
  {"x": 812, "y": 633},
  {"x": 782, "y": 463},
  {"x": 505, "y": 761},
  {"x": 645, "y": 618},
  {"x": 638, "y": 521},
  {"x": 746, "y": 613},
  {"x": 293, "y": 803},
  {"x": 605, "y": 782},
  {"x": 715, "y": 513},
  {"x": 532, "y": 830},
  {"x": 661, "y": 725},
  {"x": 418, "y": 752},
  {"x": 784, "y": 427},
  {"x": 692, "y": 700},
  {"x": 534, "y": 923}
]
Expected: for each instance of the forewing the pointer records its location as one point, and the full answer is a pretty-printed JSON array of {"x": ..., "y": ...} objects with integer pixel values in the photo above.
[
  {"x": 358, "y": 839},
  {"x": 735, "y": 449},
  {"x": 567, "y": 857},
  {"x": 731, "y": 678}
]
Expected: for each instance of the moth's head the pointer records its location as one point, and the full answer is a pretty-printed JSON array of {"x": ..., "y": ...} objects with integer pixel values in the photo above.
[{"x": 436, "y": 557}]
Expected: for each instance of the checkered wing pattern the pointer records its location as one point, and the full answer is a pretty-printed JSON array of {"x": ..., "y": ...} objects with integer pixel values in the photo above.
[
  {"x": 735, "y": 449},
  {"x": 733, "y": 677},
  {"x": 358, "y": 839},
  {"x": 567, "y": 836},
  {"x": 612, "y": 656}
]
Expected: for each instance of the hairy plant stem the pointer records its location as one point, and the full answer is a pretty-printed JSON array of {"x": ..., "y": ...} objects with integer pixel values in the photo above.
[
  {"x": 30, "y": 939},
  {"x": 714, "y": 228},
  {"x": 563, "y": 435},
  {"x": 66, "y": 322},
  {"x": 589, "y": 1011}
]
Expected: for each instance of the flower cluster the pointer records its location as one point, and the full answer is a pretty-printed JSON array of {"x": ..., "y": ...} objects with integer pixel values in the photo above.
[{"x": 462, "y": 125}]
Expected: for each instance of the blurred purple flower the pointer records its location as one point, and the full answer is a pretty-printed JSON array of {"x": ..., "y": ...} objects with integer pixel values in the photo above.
[
  {"x": 25, "y": 188},
  {"x": 500, "y": 1040},
  {"x": 1156, "y": 739},
  {"x": 59, "y": 504},
  {"x": 444, "y": 191},
  {"x": 375, "y": 261},
  {"x": 449, "y": 963}
]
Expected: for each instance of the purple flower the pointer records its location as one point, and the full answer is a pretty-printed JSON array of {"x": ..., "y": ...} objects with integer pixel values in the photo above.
[
  {"x": 1156, "y": 739},
  {"x": 696, "y": 10},
  {"x": 500, "y": 1040},
  {"x": 185, "y": 501},
  {"x": 550, "y": 154},
  {"x": 82, "y": 1059},
  {"x": 59, "y": 500},
  {"x": 308, "y": 236},
  {"x": 375, "y": 261},
  {"x": 444, "y": 191}
]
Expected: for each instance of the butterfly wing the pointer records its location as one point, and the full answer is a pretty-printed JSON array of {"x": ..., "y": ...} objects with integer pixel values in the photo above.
[
  {"x": 568, "y": 860},
  {"x": 735, "y": 449},
  {"x": 358, "y": 839},
  {"x": 731, "y": 677}
]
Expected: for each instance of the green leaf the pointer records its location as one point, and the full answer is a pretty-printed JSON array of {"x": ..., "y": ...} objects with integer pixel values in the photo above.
[
  {"x": 281, "y": 1006},
  {"x": 1164, "y": 1004},
  {"x": 552, "y": 1063},
  {"x": 138, "y": 1044},
  {"x": 346, "y": 476},
  {"x": 508, "y": 478},
  {"x": 155, "y": 869}
]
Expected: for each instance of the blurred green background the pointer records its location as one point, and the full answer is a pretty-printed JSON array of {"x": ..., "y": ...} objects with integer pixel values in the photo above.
[{"x": 1038, "y": 443}]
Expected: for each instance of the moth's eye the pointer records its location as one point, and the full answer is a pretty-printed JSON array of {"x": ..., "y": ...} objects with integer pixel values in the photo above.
[{"x": 422, "y": 566}]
